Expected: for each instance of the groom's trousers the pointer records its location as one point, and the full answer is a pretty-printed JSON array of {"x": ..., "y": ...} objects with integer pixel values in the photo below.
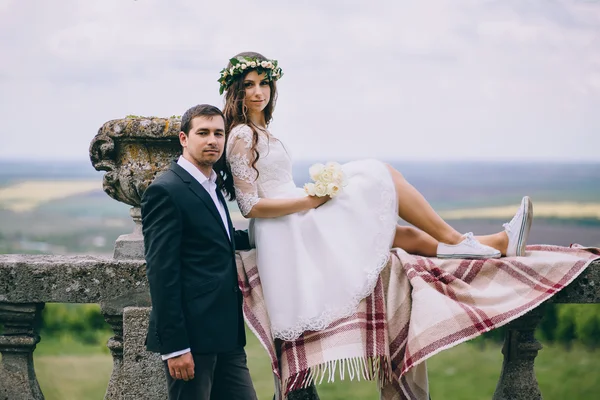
[{"x": 222, "y": 376}]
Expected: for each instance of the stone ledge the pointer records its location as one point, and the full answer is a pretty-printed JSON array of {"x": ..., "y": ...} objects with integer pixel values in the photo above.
[
  {"x": 87, "y": 279},
  {"x": 69, "y": 279}
]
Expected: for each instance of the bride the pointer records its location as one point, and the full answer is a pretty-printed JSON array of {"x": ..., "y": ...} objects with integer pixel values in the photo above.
[{"x": 318, "y": 257}]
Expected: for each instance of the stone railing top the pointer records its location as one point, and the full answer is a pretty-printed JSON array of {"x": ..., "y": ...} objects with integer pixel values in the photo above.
[
  {"x": 87, "y": 279},
  {"x": 73, "y": 279}
]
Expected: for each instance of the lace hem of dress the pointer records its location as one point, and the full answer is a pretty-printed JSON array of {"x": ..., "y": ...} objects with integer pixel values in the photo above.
[{"x": 388, "y": 215}]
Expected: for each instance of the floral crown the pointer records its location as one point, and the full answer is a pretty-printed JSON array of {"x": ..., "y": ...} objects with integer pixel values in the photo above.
[{"x": 241, "y": 64}]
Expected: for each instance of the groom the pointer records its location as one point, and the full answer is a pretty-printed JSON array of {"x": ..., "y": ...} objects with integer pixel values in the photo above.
[{"x": 196, "y": 323}]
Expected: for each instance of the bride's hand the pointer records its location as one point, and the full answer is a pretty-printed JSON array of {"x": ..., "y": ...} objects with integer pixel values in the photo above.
[{"x": 315, "y": 201}]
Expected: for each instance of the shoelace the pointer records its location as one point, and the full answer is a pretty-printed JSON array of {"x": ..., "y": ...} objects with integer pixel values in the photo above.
[
  {"x": 517, "y": 216},
  {"x": 469, "y": 238}
]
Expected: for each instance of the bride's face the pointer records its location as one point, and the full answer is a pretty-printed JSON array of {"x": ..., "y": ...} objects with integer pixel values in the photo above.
[{"x": 258, "y": 91}]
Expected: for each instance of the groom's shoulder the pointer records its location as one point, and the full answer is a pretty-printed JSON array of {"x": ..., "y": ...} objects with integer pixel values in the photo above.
[
  {"x": 166, "y": 180},
  {"x": 164, "y": 185},
  {"x": 165, "y": 177}
]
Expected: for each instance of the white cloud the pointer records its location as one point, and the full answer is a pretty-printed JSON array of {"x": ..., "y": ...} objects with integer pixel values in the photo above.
[{"x": 434, "y": 79}]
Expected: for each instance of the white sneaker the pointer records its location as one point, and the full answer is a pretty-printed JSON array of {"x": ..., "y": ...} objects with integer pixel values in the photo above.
[
  {"x": 518, "y": 228},
  {"x": 468, "y": 248}
]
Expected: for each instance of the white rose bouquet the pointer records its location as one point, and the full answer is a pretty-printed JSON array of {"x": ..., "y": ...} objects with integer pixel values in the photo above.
[{"x": 329, "y": 179}]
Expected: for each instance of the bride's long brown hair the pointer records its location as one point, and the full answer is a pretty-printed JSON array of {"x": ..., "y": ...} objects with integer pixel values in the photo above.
[{"x": 236, "y": 113}]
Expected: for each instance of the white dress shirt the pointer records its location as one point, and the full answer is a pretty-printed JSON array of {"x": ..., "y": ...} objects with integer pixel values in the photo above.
[{"x": 210, "y": 184}]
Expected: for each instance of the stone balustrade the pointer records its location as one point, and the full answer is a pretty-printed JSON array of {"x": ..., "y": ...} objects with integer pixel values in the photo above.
[{"x": 120, "y": 287}]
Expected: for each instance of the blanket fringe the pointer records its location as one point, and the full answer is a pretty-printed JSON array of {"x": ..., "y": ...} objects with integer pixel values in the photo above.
[{"x": 370, "y": 368}]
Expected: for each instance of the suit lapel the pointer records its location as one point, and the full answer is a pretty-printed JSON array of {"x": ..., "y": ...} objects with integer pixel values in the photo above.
[
  {"x": 199, "y": 191},
  {"x": 229, "y": 223}
]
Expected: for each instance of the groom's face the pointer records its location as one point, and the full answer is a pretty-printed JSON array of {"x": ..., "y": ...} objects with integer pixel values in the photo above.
[{"x": 205, "y": 141}]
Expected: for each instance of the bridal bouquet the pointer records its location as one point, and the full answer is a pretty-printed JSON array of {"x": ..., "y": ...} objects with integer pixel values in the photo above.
[{"x": 329, "y": 179}]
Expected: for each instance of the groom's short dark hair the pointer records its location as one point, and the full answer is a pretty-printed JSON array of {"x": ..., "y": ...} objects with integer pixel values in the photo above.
[{"x": 201, "y": 110}]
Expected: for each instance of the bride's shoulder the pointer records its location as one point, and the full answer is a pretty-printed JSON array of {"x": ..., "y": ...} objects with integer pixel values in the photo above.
[
  {"x": 244, "y": 132},
  {"x": 241, "y": 131}
]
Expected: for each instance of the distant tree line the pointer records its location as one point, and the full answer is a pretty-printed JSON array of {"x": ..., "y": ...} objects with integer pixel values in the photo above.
[
  {"x": 84, "y": 322},
  {"x": 564, "y": 324}
]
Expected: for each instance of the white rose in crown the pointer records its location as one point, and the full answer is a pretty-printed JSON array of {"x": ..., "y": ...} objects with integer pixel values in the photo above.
[{"x": 329, "y": 179}]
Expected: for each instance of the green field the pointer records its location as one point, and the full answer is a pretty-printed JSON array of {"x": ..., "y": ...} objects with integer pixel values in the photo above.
[{"x": 71, "y": 371}]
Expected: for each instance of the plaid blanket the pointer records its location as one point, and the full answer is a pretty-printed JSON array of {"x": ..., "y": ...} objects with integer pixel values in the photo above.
[{"x": 419, "y": 307}]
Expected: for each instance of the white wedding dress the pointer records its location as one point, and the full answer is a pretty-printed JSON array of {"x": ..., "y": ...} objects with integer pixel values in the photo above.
[{"x": 314, "y": 266}]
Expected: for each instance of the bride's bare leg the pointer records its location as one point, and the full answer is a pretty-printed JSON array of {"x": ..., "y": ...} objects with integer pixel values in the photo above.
[
  {"x": 414, "y": 209},
  {"x": 415, "y": 241}
]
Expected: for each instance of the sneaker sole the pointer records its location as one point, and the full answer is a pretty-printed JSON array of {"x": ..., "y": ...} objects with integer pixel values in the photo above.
[
  {"x": 466, "y": 257},
  {"x": 526, "y": 227}
]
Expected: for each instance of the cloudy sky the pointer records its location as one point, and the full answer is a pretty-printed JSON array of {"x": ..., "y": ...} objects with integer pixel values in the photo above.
[{"x": 397, "y": 80}]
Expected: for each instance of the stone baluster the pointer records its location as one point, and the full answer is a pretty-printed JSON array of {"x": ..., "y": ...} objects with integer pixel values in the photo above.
[
  {"x": 517, "y": 379},
  {"x": 112, "y": 310},
  {"x": 115, "y": 345},
  {"x": 17, "y": 343}
]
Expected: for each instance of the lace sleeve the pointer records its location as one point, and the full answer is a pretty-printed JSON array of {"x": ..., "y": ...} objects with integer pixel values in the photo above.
[{"x": 239, "y": 156}]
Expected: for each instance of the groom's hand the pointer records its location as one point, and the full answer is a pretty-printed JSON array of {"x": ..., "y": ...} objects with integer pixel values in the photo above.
[{"x": 181, "y": 367}]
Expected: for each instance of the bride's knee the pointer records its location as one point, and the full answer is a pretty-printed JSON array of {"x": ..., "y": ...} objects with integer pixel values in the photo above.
[
  {"x": 406, "y": 237},
  {"x": 406, "y": 231}
]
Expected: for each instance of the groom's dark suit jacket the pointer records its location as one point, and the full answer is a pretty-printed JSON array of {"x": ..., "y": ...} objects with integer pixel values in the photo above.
[{"x": 191, "y": 268}]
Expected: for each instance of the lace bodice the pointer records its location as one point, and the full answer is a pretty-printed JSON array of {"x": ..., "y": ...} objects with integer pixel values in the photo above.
[{"x": 274, "y": 167}]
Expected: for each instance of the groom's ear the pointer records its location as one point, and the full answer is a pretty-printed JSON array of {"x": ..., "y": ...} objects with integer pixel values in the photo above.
[{"x": 183, "y": 139}]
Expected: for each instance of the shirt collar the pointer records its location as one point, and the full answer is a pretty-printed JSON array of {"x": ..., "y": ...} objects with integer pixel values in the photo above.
[{"x": 195, "y": 172}]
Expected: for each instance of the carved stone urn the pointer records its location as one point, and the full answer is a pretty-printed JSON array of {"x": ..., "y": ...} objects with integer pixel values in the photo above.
[{"x": 132, "y": 151}]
